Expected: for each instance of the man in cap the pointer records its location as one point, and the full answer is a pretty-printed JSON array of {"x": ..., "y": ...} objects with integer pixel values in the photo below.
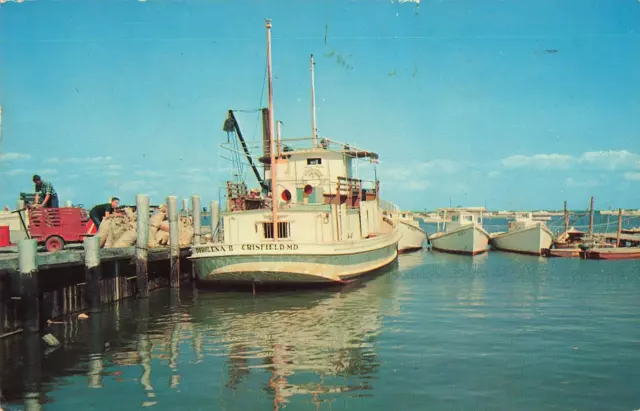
[
  {"x": 101, "y": 211},
  {"x": 45, "y": 191}
]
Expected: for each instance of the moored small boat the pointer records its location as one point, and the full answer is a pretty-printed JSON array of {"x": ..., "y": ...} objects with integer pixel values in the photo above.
[
  {"x": 462, "y": 232},
  {"x": 613, "y": 253},
  {"x": 413, "y": 236},
  {"x": 567, "y": 252},
  {"x": 525, "y": 235}
]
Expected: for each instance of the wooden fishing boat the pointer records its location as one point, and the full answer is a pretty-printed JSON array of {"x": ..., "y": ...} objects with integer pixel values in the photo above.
[
  {"x": 315, "y": 221},
  {"x": 413, "y": 236},
  {"x": 462, "y": 232},
  {"x": 525, "y": 235}
]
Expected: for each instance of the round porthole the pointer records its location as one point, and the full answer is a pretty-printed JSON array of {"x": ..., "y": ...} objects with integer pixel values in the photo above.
[{"x": 308, "y": 189}]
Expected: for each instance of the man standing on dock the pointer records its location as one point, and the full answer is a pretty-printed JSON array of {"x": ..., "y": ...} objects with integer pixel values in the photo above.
[
  {"x": 101, "y": 211},
  {"x": 44, "y": 190}
]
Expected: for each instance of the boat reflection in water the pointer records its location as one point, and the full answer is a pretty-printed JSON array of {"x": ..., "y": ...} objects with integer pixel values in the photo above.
[
  {"x": 307, "y": 344},
  {"x": 166, "y": 351},
  {"x": 410, "y": 261}
]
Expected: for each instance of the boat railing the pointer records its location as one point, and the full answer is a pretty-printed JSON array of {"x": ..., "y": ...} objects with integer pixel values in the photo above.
[
  {"x": 284, "y": 146},
  {"x": 349, "y": 191}
]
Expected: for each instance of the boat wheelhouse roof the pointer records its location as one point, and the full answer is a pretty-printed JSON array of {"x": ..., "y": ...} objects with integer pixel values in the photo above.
[{"x": 324, "y": 146}]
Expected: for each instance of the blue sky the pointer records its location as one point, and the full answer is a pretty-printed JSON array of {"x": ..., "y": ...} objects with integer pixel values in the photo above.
[{"x": 513, "y": 103}]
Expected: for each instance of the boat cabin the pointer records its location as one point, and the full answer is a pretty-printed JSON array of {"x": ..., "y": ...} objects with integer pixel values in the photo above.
[
  {"x": 321, "y": 175},
  {"x": 454, "y": 218},
  {"x": 320, "y": 199}
]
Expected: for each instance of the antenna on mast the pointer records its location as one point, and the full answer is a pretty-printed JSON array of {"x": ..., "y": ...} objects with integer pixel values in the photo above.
[
  {"x": 314, "y": 128},
  {"x": 272, "y": 146}
]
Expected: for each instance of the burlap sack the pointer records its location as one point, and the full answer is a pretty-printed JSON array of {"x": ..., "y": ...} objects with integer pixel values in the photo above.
[
  {"x": 126, "y": 240},
  {"x": 162, "y": 238},
  {"x": 103, "y": 231}
]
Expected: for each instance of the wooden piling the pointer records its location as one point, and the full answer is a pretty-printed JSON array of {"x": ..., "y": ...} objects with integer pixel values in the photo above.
[
  {"x": 174, "y": 242},
  {"x": 195, "y": 204},
  {"x": 92, "y": 272},
  {"x": 185, "y": 207},
  {"x": 619, "y": 227},
  {"x": 2, "y": 316},
  {"x": 32, "y": 375},
  {"x": 215, "y": 219},
  {"x": 591, "y": 218},
  {"x": 142, "y": 244},
  {"x": 29, "y": 289}
]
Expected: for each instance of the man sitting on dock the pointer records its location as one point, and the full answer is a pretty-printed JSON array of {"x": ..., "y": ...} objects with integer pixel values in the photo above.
[
  {"x": 44, "y": 190},
  {"x": 100, "y": 211}
]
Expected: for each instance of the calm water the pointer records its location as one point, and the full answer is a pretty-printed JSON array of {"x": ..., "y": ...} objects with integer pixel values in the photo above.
[{"x": 437, "y": 332}]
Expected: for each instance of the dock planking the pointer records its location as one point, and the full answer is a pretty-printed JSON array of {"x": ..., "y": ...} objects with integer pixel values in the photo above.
[{"x": 76, "y": 257}]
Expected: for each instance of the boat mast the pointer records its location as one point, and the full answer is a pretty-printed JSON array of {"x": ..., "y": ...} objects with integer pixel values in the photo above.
[
  {"x": 314, "y": 128},
  {"x": 279, "y": 136},
  {"x": 274, "y": 197},
  {"x": 0, "y": 124}
]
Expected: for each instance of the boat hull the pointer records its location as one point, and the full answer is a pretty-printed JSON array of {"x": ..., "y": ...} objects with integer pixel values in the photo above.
[
  {"x": 296, "y": 264},
  {"x": 413, "y": 237},
  {"x": 563, "y": 252},
  {"x": 530, "y": 240},
  {"x": 470, "y": 240},
  {"x": 622, "y": 253}
]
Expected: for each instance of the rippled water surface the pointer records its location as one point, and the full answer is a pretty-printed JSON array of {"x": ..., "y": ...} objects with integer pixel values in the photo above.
[{"x": 437, "y": 332}]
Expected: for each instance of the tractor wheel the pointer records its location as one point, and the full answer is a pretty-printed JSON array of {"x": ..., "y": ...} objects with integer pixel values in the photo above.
[{"x": 54, "y": 243}]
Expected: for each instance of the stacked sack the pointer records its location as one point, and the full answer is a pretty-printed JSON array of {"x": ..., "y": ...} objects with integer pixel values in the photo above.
[{"x": 120, "y": 230}]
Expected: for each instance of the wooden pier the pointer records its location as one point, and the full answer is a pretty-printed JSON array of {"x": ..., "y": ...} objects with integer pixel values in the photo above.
[{"x": 36, "y": 287}]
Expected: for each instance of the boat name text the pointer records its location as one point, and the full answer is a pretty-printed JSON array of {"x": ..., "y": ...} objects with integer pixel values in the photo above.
[{"x": 246, "y": 247}]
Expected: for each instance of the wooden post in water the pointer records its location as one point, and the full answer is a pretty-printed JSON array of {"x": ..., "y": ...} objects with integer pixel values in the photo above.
[
  {"x": 619, "y": 227},
  {"x": 2, "y": 303},
  {"x": 92, "y": 272},
  {"x": 566, "y": 217},
  {"x": 30, "y": 292},
  {"x": 591, "y": 218},
  {"x": 215, "y": 219},
  {"x": 174, "y": 242},
  {"x": 195, "y": 204},
  {"x": 142, "y": 244}
]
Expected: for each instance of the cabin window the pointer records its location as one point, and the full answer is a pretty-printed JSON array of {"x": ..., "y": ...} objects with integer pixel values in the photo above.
[
  {"x": 314, "y": 161},
  {"x": 454, "y": 218},
  {"x": 468, "y": 218},
  {"x": 284, "y": 229}
]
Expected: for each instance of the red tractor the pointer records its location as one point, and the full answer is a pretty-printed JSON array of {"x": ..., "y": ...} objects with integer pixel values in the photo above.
[{"x": 55, "y": 227}]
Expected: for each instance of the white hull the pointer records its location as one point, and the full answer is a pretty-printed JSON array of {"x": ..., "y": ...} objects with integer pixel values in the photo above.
[
  {"x": 413, "y": 237},
  {"x": 291, "y": 263},
  {"x": 469, "y": 239},
  {"x": 528, "y": 241}
]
